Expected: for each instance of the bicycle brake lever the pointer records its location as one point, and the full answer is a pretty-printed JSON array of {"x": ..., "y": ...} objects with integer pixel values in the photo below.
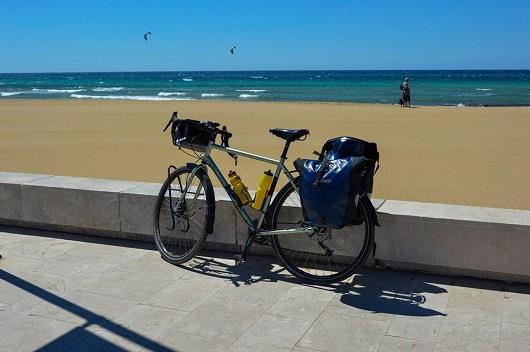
[{"x": 234, "y": 156}]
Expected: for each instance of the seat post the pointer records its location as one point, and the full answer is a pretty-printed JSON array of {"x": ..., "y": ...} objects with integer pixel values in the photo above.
[{"x": 285, "y": 149}]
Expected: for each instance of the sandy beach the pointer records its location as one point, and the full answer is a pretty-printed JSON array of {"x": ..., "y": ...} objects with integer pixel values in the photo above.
[{"x": 470, "y": 156}]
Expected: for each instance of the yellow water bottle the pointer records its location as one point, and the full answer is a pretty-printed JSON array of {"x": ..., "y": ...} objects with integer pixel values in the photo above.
[
  {"x": 263, "y": 187},
  {"x": 239, "y": 188}
]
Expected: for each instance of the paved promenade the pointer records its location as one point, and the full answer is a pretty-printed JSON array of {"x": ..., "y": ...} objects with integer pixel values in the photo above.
[{"x": 62, "y": 292}]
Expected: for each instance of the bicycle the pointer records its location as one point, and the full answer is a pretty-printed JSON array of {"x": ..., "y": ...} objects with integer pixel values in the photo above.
[{"x": 185, "y": 210}]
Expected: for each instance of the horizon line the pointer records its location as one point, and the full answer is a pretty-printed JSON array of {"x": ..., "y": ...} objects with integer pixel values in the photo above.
[{"x": 266, "y": 70}]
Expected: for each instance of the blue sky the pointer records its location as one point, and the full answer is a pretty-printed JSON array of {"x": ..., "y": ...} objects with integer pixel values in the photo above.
[{"x": 61, "y": 36}]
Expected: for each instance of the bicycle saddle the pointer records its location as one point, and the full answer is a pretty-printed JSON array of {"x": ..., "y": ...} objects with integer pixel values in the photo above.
[{"x": 289, "y": 135}]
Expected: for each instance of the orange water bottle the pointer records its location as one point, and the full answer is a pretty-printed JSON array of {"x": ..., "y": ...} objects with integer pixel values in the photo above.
[{"x": 264, "y": 184}]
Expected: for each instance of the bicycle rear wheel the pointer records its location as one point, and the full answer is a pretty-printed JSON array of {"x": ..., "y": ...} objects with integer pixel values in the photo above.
[
  {"x": 325, "y": 257},
  {"x": 184, "y": 208}
]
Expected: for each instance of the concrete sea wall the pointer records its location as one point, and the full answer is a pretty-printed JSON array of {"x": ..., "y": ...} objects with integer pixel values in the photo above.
[{"x": 439, "y": 238}]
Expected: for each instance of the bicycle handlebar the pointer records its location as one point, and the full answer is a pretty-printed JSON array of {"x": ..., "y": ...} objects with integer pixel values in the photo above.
[{"x": 213, "y": 126}]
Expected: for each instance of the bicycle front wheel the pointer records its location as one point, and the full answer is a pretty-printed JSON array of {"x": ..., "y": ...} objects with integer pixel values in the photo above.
[
  {"x": 184, "y": 208},
  {"x": 325, "y": 257}
]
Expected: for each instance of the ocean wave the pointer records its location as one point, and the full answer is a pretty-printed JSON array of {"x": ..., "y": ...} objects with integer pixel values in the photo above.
[
  {"x": 64, "y": 90},
  {"x": 46, "y": 91},
  {"x": 257, "y": 77},
  {"x": 251, "y": 90},
  {"x": 210, "y": 95},
  {"x": 460, "y": 105},
  {"x": 168, "y": 94},
  {"x": 107, "y": 89},
  {"x": 248, "y": 96},
  {"x": 483, "y": 89},
  {"x": 8, "y": 94},
  {"x": 126, "y": 97},
  {"x": 187, "y": 79}
]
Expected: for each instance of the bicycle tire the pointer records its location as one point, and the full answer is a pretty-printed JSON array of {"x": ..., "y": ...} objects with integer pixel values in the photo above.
[
  {"x": 305, "y": 269},
  {"x": 171, "y": 221}
]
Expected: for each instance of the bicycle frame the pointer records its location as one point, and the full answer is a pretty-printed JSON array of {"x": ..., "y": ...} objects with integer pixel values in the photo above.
[{"x": 280, "y": 167}]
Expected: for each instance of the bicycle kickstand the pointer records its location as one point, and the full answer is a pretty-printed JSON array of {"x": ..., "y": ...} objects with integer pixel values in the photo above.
[{"x": 242, "y": 257}]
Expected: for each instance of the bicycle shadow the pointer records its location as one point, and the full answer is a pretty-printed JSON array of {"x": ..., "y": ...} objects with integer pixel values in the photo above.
[
  {"x": 252, "y": 271},
  {"x": 395, "y": 293},
  {"x": 375, "y": 291}
]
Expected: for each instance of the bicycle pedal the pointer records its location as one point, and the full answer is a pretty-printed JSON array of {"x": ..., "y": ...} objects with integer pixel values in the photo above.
[{"x": 239, "y": 259}]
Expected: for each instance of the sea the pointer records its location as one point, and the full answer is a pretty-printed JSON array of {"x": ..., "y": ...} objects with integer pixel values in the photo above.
[{"x": 428, "y": 87}]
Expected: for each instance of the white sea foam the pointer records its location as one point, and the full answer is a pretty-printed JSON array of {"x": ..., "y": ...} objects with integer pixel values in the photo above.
[
  {"x": 8, "y": 94},
  {"x": 126, "y": 97},
  {"x": 64, "y": 90},
  {"x": 46, "y": 91},
  {"x": 257, "y": 77},
  {"x": 460, "y": 105},
  {"x": 483, "y": 89},
  {"x": 211, "y": 95},
  {"x": 251, "y": 90},
  {"x": 187, "y": 79},
  {"x": 168, "y": 94},
  {"x": 107, "y": 89},
  {"x": 248, "y": 96}
]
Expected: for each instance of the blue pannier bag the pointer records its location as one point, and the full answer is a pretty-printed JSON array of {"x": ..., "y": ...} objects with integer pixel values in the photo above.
[{"x": 330, "y": 187}]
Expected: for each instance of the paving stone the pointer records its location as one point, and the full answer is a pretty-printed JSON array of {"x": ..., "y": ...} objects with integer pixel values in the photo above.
[
  {"x": 63, "y": 266},
  {"x": 469, "y": 330},
  {"x": 81, "y": 307},
  {"x": 515, "y": 337},
  {"x": 96, "y": 250},
  {"x": 6, "y": 238},
  {"x": 17, "y": 286},
  {"x": 255, "y": 347},
  {"x": 217, "y": 318},
  {"x": 150, "y": 263},
  {"x": 398, "y": 344},
  {"x": 38, "y": 247},
  {"x": 181, "y": 341},
  {"x": 274, "y": 330},
  {"x": 14, "y": 262},
  {"x": 472, "y": 293},
  {"x": 418, "y": 328},
  {"x": 303, "y": 309},
  {"x": 334, "y": 332},
  {"x": 29, "y": 333},
  {"x": 516, "y": 311},
  {"x": 96, "y": 338},
  {"x": 138, "y": 287},
  {"x": 261, "y": 292},
  {"x": 186, "y": 294},
  {"x": 150, "y": 321}
]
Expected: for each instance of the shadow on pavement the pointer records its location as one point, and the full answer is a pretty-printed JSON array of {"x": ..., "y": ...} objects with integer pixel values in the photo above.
[
  {"x": 378, "y": 292},
  {"x": 372, "y": 290},
  {"x": 80, "y": 339}
]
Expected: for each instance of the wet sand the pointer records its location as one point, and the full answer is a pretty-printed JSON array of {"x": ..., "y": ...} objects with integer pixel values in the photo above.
[{"x": 471, "y": 156}]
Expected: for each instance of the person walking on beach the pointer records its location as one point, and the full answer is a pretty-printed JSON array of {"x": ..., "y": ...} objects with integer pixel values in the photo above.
[{"x": 405, "y": 93}]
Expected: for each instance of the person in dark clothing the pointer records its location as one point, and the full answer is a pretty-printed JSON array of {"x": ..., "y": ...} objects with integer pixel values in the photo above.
[{"x": 405, "y": 93}]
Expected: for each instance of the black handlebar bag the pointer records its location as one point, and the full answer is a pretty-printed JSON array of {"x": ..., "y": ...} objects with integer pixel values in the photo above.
[{"x": 330, "y": 187}]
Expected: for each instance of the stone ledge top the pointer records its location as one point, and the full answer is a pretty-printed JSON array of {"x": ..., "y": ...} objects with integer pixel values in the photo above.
[
  {"x": 456, "y": 212},
  {"x": 448, "y": 212}
]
